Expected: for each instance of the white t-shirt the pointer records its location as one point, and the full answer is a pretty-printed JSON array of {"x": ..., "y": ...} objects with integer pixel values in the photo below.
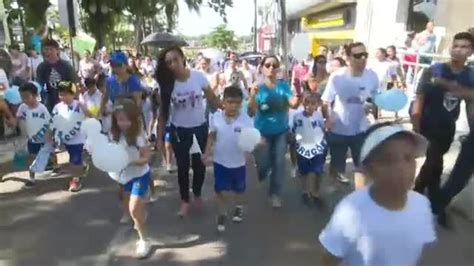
[
  {"x": 187, "y": 101},
  {"x": 384, "y": 70},
  {"x": 226, "y": 149},
  {"x": 91, "y": 101},
  {"x": 78, "y": 136},
  {"x": 34, "y": 63},
  {"x": 349, "y": 94},
  {"x": 147, "y": 110},
  {"x": 38, "y": 115},
  {"x": 132, "y": 171},
  {"x": 309, "y": 133},
  {"x": 363, "y": 233}
]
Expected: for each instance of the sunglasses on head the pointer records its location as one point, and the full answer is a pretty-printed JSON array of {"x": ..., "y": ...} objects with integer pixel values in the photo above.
[
  {"x": 268, "y": 65},
  {"x": 364, "y": 55}
]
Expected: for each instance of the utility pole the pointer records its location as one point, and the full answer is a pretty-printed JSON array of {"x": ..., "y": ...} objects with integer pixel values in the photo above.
[
  {"x": 255, "y": 31},
  {"x": 283, "y": 36}
]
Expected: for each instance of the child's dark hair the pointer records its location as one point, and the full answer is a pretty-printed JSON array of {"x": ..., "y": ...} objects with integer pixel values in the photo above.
[
  {"x": 233, "y": 92},
  {"x": 30, "y": 88},
  {"x": 465, "y": 36},
  {"x": 89, "y": 82},
  {"x": 311, "y": 95},
  {"x": 67, "y": 86},
  {"x": 100, "y": 80}
]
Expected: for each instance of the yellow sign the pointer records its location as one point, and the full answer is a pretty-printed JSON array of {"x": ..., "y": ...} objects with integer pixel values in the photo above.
[{"x": 335, "y": 20}]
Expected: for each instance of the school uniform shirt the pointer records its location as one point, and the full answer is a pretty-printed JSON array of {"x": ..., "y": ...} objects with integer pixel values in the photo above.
[
  {"x": 91, "y": 101},
  {"x": 363, "y": 233},
  {"x": 40, "y": 115},
  {"x": 349, "y": 94},
  {"x": 187, "y": 107},
  {"x": 75, "y": 135},
  {"x": 226, "y": 150},
  {"x": 308, "y": 128},
  {"x": 132, "y": 171}
]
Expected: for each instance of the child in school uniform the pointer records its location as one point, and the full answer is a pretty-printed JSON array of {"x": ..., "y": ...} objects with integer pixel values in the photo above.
[
  {"x": 311, "y": 147},
  {"x": 33, "y": 114},
  {"x": 229, "y": 160},
  {"x": 91, "y": 98},
  {"x": 386, "y": 222},
  {"x": 74, "y": 139},
  {"x": 127, "y": 130}
]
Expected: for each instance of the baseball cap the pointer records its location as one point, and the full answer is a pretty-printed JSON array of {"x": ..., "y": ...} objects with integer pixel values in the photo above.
[
  {"x": 379, "y": 134},
  {"x": 118, "y": 57}
]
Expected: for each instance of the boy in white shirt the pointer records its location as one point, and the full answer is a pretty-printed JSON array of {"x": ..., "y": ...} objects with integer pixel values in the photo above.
[
  {"x": 74, "y": 139},
  {"x": 92, "y": 98},
  {"x": 229, "y": 160},
  {"x": 36, "y": 118},
  {"x": 385, "y": 223},
  {"x": 311, "y": 147}
]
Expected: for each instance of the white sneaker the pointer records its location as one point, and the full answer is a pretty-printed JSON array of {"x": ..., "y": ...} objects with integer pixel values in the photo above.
[
  {"x": 169, "y": 168},
  {"x": 276, "y": 202},
  {"x": 294, "y": 171},
  {"x": 143, "y": 248},
  {"x": 152, "y": 198},
  {"x": 126, "y": 219}
]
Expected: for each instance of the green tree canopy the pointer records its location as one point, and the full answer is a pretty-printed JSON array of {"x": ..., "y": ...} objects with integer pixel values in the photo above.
[{"x": 221, "y": 38}]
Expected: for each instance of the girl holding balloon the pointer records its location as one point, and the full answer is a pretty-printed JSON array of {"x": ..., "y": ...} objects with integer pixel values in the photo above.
[
  {"x": 128, "y": 131},
  {"x": 34, "y": 118}
]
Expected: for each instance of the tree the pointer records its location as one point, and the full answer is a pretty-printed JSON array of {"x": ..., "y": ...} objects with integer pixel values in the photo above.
[{"x": 222, "y": 38}]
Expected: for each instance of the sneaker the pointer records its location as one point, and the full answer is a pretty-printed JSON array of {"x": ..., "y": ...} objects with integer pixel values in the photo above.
[
  {"x": 183, "y": 210},
  {"x": 342, "y": 178},
  {"x": 221, "y": 223},
  {"x": 126, "y": 219},
  {"x": 152, "y": 198},
  {"x": 75, "y": 185},
  {"x": 169, "y": 168},
  {"x": 143, "y": 248},
  {"x": 238, "y": 214},
  {"x": 30, "y": 183},
  {"x": 306, "y": 199},
  {"x": 276, "y": 202},
  {"x": 198, "y": 203},
  {"x": 294, "y": 172}
]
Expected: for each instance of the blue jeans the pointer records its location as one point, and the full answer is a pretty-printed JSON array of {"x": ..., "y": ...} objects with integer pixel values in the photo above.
[
  {"x": 271, "y": 157},
  {"x": 338, "y": 145}
]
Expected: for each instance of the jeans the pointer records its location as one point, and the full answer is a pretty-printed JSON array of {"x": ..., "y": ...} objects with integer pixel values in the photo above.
[
  {"x": 181, "y": 140},
  {"x": 271, "y": 157},
  {"x": 430, "y": 173},
  {"x": 338, "y": 145},
  {"x": 460, "y": 175}
]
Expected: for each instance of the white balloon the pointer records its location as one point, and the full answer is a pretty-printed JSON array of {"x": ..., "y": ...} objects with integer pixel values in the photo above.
[
  {"x": 111, "y": 157},
  {"x": 248, "y": 139},
  {"x": 301, "y": 46},
  {"x": 91, "y": 126},
  {"x": 96, "y": 141}
]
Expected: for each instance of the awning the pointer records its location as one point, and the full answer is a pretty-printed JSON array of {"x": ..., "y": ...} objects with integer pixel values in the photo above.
[{"x": 333, "y": 35}]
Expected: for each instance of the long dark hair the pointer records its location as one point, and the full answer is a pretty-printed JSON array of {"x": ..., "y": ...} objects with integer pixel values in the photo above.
[
  {"x": 166, "y": 78},
  {"x": 314, "y": 70}
]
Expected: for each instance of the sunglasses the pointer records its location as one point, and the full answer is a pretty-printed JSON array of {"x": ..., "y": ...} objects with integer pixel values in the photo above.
[
  {"x": 322, "y": 62},
  {"x": 268, "y": 65},
  {"x": 364, "y": 55},
  {"x": 113, "y": 65}
]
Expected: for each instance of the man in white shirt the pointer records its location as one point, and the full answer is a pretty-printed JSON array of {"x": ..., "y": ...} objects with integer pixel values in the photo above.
[
  {"x": 385, "y": 70},
  {"x": 346, "y": 93}
]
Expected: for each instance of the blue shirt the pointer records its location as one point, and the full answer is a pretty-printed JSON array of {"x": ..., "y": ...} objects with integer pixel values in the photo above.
[
  {"x": 116, "y": 88},
  {"x": 272, "y": 108},
  {"x": 36, "y": 42}
]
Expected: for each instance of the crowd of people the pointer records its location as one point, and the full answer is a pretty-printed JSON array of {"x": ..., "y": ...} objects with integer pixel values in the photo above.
[{"x": 196, "y": 115}]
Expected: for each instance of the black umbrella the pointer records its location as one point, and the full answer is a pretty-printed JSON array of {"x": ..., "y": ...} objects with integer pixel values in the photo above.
[{"x": 163, "y": 40}]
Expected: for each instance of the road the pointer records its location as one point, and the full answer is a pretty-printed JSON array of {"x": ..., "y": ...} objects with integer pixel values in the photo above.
[{"x": 50, "y": 226}]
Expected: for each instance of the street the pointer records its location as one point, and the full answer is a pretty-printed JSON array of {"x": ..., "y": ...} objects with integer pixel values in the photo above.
[{"x": 50, "y": 226}]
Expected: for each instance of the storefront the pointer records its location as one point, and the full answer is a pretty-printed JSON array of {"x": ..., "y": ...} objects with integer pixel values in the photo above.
[{"x": 332, "y": 27}]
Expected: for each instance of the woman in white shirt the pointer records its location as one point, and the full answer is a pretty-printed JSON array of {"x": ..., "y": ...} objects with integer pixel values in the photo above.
[{"x": 182, "y": 101}]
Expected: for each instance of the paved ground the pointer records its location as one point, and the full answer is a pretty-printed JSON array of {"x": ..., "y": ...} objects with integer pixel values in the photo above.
[{"x": 49, "y": 226}]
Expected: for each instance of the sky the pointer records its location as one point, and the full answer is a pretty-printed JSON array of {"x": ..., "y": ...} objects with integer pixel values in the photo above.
[{"x": 239, "y": 18}]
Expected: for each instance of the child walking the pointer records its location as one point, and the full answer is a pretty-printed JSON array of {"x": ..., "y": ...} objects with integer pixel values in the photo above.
[
  {"x": 74, "y": 139},
  {"x": 127, "y": 130},
  {"x": 229, "y": 160},
  {"x": 311, "y": 147},
  {"x": 32, "y": 114},
  {"x": 384, "y": 223}
]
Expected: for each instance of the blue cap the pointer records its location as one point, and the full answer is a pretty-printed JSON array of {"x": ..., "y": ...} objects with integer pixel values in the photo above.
[{"x": 118, "y": 57}]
